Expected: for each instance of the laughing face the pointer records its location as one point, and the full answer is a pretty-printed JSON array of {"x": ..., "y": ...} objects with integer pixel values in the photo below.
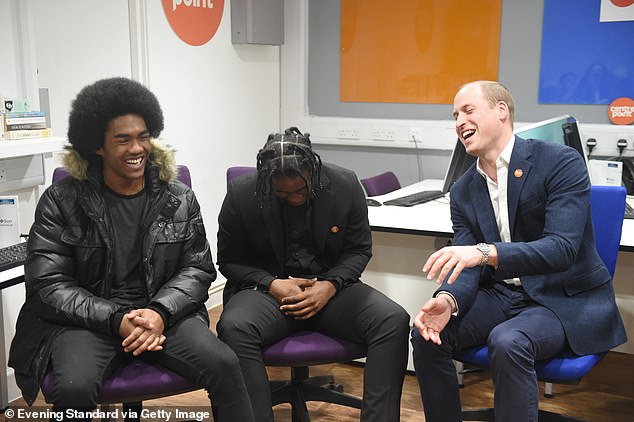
[
  {"x": 481, "y": 127},
  {"x": 125, "y": 153}
]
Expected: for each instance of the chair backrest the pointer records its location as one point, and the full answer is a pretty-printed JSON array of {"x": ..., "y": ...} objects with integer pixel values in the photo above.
[
  {"x": 608, "y": 207},
  {"x": 233, "y": 172},
  {"x": 183, "y": 174},
  {"x": 381, "y": 184}
]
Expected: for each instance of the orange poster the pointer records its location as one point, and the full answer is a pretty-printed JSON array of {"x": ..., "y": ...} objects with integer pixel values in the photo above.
[{"x": 416, "y": 51}]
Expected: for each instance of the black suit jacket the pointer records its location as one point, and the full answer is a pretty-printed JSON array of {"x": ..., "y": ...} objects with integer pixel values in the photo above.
[{"x": 251, "y": 237}]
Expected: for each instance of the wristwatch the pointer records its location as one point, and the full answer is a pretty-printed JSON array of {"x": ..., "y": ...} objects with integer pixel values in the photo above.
[{"x": 484, "y": 249}]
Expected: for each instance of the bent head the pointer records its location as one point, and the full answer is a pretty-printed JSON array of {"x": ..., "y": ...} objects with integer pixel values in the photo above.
[{"x": 288, "y": 168}]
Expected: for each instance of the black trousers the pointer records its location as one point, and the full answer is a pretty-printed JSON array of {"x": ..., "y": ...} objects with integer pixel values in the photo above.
[
  {"x": 252, "y": 319},
  {"x": 518, "y": 332},
  {"x": 81, "y": 360}
]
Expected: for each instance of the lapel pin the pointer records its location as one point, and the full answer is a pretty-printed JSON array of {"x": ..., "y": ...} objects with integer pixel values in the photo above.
[
  {"x": 334, "y": 229},
  {"x": 518, "y": 173}
]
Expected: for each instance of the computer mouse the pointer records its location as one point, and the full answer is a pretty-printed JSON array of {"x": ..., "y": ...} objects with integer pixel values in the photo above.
[{"x": 372, "y": 202}]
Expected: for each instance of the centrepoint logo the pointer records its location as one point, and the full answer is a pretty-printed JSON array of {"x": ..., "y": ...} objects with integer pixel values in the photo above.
[
  {"x": 621, "y": 111},
  {"x": 194, "y": 21},
  {"x": 622, "y": 3}
]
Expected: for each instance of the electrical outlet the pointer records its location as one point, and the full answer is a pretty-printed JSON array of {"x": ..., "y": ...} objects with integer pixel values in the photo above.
[
  {"x": 415, "y": 134},
  {"x": 3, "y": 175},
  {"x": 383, "y": 133},
  {"x": 628, "y": 138},
  {"x": 348, "y": 132}
]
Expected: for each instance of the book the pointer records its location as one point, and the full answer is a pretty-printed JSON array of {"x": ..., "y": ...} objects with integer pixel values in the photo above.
[
  {"x": 23, "y": 126},
  {"x": 22, "y": 120},
  {"x": 12, "y": 114},
  {"x": 27, "y": 133}
]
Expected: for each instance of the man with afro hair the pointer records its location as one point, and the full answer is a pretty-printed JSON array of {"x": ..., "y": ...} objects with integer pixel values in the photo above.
[{"x": 118, "y": 263}]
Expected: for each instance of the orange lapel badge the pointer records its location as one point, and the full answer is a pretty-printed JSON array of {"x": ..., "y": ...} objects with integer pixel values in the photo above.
[
  {"x": 334, "y": 229},
  {"x": 518, "y": 173}
]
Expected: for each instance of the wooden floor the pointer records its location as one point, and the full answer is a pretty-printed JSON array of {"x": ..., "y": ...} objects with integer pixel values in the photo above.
[{"x": 606, "y": 394}]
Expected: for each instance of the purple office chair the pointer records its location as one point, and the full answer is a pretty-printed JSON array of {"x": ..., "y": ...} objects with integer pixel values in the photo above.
[
  {"x": 608, "y": 207},
  {"x": 381, "y": 184},
  {"x": 233, "y": 172},
  {"x": 300, "y": 350},
  {"x": 136, "y": 381}
]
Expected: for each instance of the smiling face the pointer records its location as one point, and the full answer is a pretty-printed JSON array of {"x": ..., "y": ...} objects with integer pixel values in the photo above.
[
  {"x": 125, "y": 152},
  {"x": 483, "y": 128}
]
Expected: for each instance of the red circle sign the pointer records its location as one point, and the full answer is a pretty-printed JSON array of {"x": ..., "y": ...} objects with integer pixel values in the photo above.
[
  {"x": 621, "y": 111},
  {"x": 194, "y": 21},
  {"x": 622, "y": 3}
]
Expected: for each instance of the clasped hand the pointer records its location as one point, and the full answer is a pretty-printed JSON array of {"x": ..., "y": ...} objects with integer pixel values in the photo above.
[
  {"x": 301, "y": 298},
  {"x": 142, "y": 329}
]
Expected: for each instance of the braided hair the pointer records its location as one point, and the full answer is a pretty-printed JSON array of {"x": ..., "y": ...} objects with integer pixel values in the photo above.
[{"x": 288, "y": 154}]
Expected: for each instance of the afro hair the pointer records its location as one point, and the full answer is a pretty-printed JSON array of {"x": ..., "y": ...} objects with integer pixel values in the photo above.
[{"x": 97, "y": 104}]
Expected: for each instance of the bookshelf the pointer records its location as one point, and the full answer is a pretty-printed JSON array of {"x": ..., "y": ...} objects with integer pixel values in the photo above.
[{"x": 31, "y": 146}]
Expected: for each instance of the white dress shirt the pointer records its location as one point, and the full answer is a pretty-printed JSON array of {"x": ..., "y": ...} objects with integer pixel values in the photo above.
[{"x": 499, "y": 195}]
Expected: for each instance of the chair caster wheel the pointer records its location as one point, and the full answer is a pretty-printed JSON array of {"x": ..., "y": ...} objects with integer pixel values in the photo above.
[{"x": 336, "y": 387}]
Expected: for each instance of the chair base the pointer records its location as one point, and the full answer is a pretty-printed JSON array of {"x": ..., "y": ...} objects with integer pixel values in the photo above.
[
  {"x": 302, "y": 388},
  {"x": 488, "y": 415}
]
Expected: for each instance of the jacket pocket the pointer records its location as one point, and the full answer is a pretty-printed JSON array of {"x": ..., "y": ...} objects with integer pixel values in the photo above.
[{"x": 588, "y": 281}]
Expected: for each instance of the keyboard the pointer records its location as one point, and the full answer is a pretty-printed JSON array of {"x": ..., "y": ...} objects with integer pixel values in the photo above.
[
  {"x": 415, "y": 198},
  {"x": 629, "y": 211},
  {"x": 12, "y": 256}
]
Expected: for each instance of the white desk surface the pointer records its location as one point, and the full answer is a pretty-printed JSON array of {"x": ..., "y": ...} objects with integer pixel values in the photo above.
[{"x": 433, "y": 218}]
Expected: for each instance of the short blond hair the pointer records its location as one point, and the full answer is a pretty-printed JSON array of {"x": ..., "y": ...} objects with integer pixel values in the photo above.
[{"x": 495, "y": 92}]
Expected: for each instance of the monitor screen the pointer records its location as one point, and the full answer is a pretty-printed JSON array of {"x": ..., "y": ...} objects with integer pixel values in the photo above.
[
  {"x": 459, "y": 163},
  {"x": 563, "y": 130}
]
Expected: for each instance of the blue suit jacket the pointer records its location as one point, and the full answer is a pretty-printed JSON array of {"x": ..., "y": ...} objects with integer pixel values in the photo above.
[{"x": 552, "y": 246}]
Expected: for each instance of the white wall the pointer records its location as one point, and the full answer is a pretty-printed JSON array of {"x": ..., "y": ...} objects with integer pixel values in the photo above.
[{"x": 220, "y": 101}]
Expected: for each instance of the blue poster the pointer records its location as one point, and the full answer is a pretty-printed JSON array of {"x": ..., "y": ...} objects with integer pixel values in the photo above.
[{"x": 585, "y": 60}]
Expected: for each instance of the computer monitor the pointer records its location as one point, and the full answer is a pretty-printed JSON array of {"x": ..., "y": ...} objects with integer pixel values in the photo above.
[
  {"x": 458, "y": 164},
  {"x": 563, "y": 130}
]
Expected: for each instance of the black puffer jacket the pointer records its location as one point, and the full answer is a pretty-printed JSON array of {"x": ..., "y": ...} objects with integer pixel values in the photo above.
[{"x": 69, "y": 269}]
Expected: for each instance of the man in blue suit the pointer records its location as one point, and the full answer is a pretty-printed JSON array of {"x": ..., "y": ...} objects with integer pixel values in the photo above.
[{"x": 523, "y": 274}]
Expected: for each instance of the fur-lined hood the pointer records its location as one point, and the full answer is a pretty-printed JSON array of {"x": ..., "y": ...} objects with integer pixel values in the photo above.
[{"x": 161, "y": 157}]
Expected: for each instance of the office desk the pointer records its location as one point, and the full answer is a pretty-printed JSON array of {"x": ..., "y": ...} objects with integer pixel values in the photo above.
[
  {"x": 433, "y": 218},
  {"x": 8, "y": 278}
]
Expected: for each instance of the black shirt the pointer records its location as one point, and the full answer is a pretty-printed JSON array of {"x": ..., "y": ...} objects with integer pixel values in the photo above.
[
  {"x": 300, "y": 257},
  {"x": 126, "y": 212}
]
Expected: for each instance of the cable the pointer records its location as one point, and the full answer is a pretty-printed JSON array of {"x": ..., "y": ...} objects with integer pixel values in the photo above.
[
  {"x": 621, "y": 144},
  {"x": 418, "y": 158},
  {"x": 591, "y": 143}
]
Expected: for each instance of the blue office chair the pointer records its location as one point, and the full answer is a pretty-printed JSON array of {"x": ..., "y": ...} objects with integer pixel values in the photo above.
[
  {"x": 608, "y": 207},
  {"x": 381, "y": 184}
]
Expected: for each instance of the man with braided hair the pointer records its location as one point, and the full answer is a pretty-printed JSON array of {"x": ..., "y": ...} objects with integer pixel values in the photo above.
[{"x": 293, "y": 240}]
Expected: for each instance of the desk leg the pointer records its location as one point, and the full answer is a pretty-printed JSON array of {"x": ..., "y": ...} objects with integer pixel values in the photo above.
[{"x": 4, "y": 388}]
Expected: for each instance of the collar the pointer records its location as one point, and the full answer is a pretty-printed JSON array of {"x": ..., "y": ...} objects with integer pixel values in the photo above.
[{"x": 503, "y": 159}]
